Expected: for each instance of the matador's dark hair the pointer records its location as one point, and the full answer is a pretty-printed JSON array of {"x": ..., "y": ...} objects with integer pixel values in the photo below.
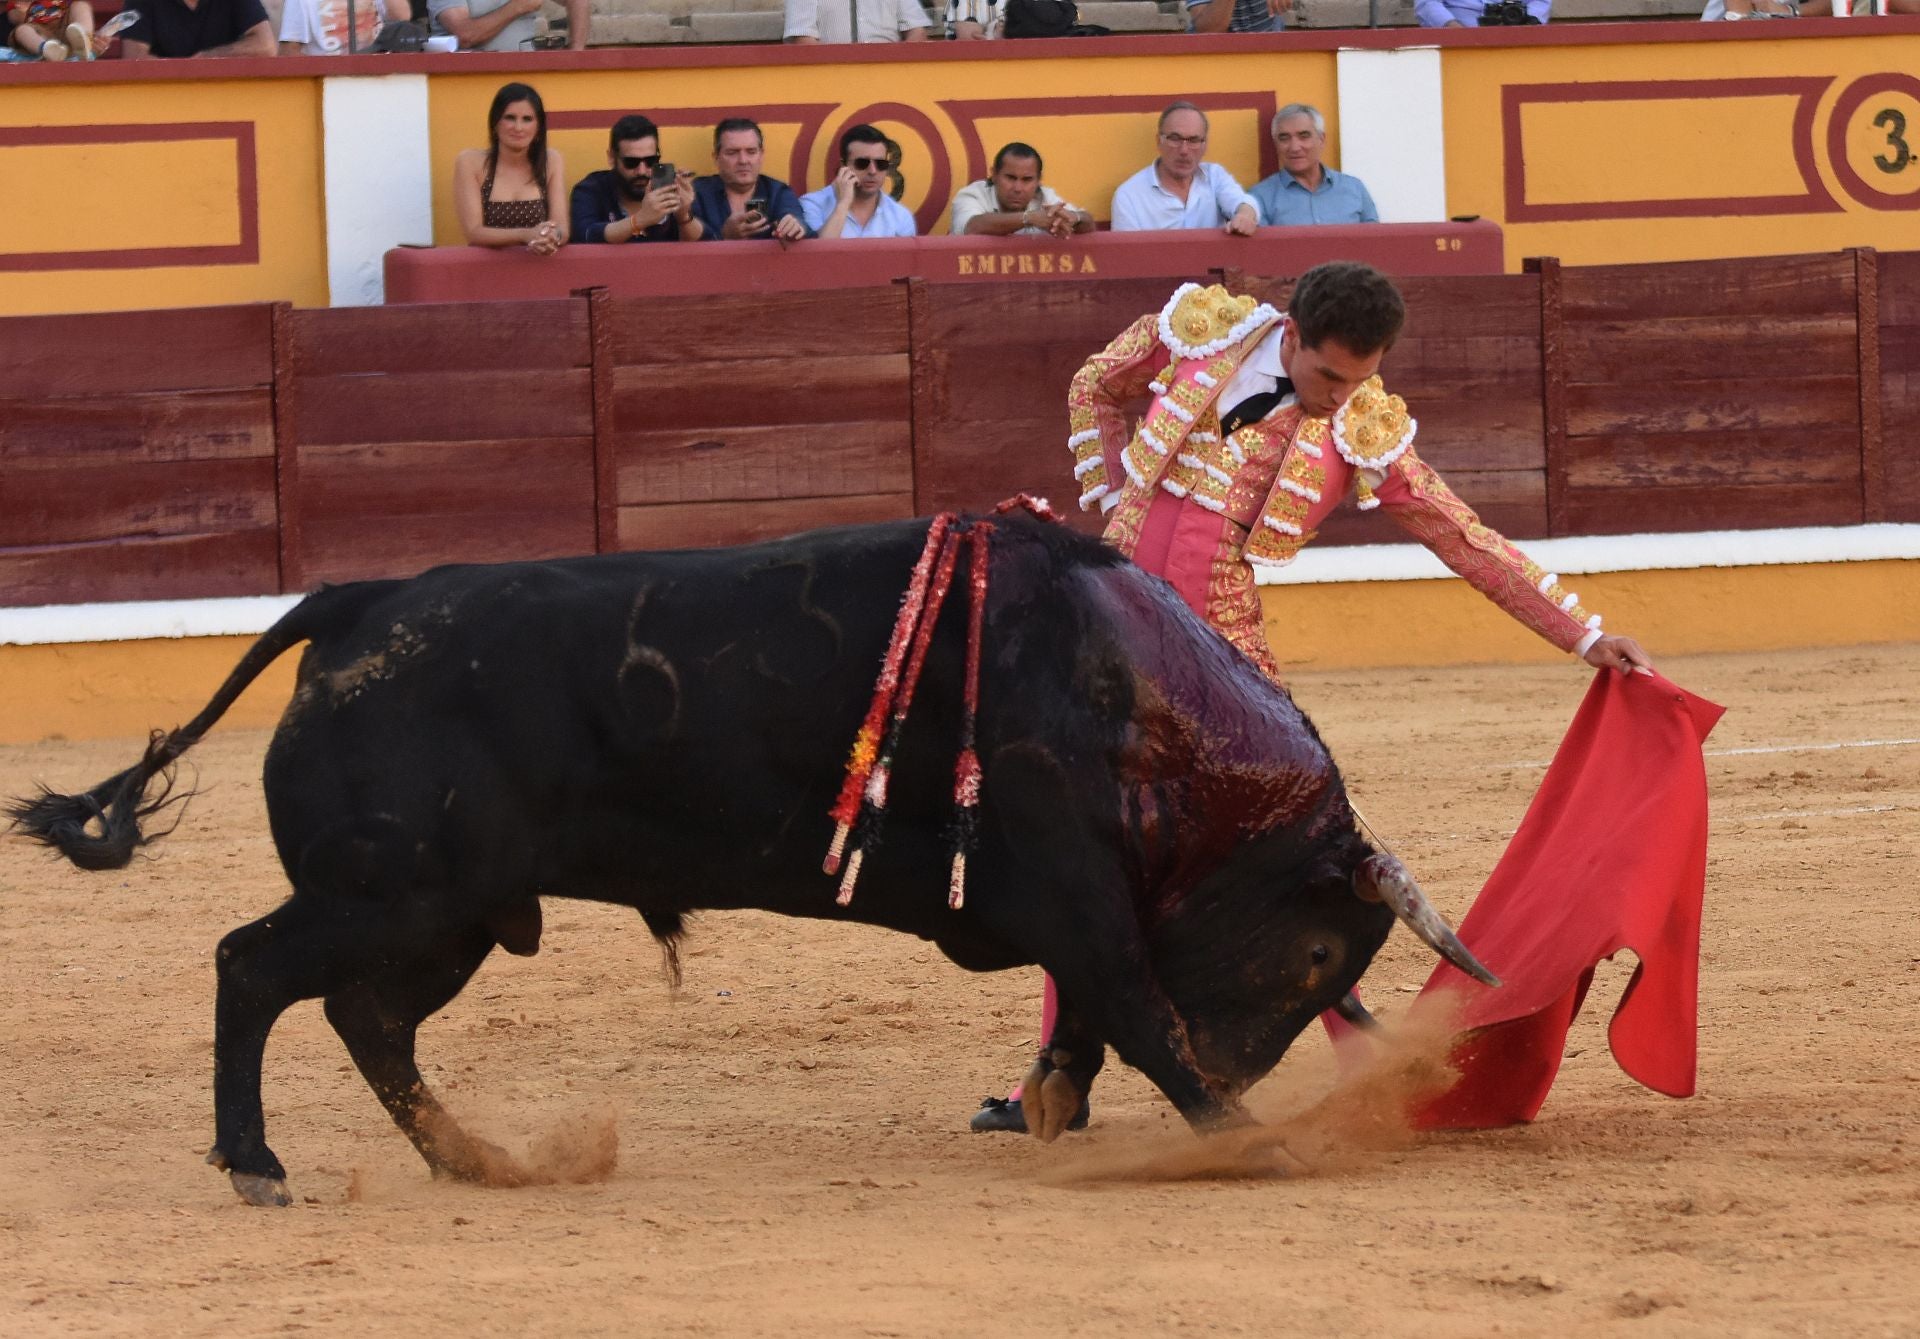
[{"x": 1350, "y": 302}]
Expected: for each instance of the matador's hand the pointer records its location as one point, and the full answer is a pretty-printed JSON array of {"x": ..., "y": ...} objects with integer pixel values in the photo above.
[{"x": 1619, "y": 653}]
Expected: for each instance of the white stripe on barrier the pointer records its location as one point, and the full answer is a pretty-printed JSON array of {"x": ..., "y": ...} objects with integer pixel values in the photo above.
[
  {"x": 142, "y": 619},
  {"x": 1617, "y": 553}
]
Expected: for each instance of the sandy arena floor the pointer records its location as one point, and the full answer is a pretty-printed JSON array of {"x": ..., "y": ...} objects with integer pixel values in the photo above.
[{"x": 793, "y": 1157}]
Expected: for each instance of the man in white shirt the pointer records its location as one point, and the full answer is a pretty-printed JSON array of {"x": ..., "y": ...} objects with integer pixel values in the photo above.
[
  {"x": 855, "y": 203},
  {"x": 813, "y": 21},
  {"x": 1015, "y": 200},
  {"x": 319, "y": 27},
  {"x": 1180, "y": 189}
]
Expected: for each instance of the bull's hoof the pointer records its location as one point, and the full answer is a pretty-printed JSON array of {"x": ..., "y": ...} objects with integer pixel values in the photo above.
[
  {"x": 269, "y": 1192},
  {"x": 1051, "y": 1103}
]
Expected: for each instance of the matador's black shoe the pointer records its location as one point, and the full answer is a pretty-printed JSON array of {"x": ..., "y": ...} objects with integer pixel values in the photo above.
[{"x": 1002, "y": 1115}]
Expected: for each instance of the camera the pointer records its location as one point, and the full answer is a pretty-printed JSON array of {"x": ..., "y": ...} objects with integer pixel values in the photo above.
[{"x": 1505, "y": 14}]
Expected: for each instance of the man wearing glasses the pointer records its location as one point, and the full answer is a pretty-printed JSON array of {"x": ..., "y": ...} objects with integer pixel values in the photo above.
[
  {"x": 1180, "y": 189},
  {"x": 625, "y": 203},
  {"x": 855, "y": 203}
]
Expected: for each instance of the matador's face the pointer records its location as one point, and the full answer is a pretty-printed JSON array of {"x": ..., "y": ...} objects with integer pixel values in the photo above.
[{"x": 1325, "y": 374}]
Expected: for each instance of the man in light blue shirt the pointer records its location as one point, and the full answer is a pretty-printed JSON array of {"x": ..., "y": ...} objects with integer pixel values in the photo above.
[
  {"x": 1180, "y": 189},
  {"x": 855, "y": 203},
  {"x": 1467, "y": 13},
  {"x": 1305, "y": 190}
]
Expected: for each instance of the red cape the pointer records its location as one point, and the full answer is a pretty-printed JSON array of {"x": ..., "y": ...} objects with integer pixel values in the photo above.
[{"x": 1612, "y": 854}]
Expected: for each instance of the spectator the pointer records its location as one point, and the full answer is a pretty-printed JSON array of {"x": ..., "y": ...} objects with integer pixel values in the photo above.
[
  {"x": 319, "y": 27},
  {"x": 1180, "y": 189},
  {"x": 1305, "y": 190},
  {"x": 1013, "y": 200},
  {"x": 39, "y": 26},
  {"x": 632, "y": 200},
  {"x": 721, "y": 202},
  {"x": 510, "y": 195},
  {"x": 1793, "y": 9},
  {"x": 813, "y": 21},
  {"x": 176, "y": 29},
  {"x": 503, "y": 25},
  {"x": 856, "y": 203},
  {"x": 976, "y": 20},
  {"x": 1480, "y": 13},
  {"x": 1237, "y": 16}
]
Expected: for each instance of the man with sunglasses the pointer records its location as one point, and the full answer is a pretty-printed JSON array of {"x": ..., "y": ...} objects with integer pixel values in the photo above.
[
  {"x": 856, "y": 203},
  {"x": 625, "y": 203},
  {"x": 1180, "y": 189}
]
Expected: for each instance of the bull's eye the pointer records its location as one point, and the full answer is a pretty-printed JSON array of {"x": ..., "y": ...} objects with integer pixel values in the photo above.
[{"x": 1319, "y": 954}]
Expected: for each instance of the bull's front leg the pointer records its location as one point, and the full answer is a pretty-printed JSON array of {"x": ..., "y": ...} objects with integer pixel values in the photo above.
[
  {"x": 1108, "y": 993},
  {"x": 1053, "y": 1096},
  {"x": 1066, "y": 899}
]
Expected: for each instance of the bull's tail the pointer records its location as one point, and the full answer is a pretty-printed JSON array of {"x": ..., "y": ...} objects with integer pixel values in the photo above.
[{"x": 100, "y": 828}]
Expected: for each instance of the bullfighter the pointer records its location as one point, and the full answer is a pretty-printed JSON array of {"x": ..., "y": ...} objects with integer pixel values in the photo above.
[{"x": 1260, "y": 424}]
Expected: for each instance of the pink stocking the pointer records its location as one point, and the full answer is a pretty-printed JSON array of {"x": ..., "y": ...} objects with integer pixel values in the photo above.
[{"x": 1049, "y": 1015}]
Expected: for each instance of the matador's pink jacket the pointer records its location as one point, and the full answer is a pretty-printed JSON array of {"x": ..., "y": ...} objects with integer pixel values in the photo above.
[{"x": 1202, "y": 511}]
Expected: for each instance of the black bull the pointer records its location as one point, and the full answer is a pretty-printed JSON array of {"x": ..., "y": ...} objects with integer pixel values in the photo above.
[{"x": 1160, "y": 827}]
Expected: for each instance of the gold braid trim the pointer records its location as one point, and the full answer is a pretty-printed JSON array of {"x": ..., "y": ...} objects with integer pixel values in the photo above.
[{"x": 1107, "y": 380}]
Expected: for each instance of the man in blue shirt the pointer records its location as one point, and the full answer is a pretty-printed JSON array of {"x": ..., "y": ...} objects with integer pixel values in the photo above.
[
  {"x": 1305, "y": 190},
  {"x": 1180, "y": 189},
  {"x": 722, "y": 201},
  {"x": 1467, "y": 13},
  {"x": 855, "y": 203}
]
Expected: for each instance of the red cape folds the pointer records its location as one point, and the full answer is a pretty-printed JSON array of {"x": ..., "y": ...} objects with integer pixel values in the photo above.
[{"x": 1612, "y": 854}]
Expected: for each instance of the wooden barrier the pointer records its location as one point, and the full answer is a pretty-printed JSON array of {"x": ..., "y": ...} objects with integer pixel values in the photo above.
[
  {"x": 1709, "y": 395},
  {"x": 244, "y": 450},
  {"x": 467, "y": 273},
  {"x": 137, "y": 456},
  {"x": 732, "y": 418},
  {"x": 989, "y": 395},
  {"x": 431, "y": 434},
  {"x": 1893, "y": 476}
]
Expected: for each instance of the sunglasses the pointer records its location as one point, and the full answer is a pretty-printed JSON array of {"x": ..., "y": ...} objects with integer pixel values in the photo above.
[
  {"x": 867, "y": 164},
  {"x": 633, "y": 164}
]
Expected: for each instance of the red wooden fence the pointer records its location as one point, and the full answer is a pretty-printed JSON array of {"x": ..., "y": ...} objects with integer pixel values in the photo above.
[
  {"x": 735, "y": 417},
  {"x": 246, "y": 450},
  {"x": 137, "y": 456}
]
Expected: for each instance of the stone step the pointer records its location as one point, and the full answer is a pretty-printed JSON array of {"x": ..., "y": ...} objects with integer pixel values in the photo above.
[
  {"x": 1134, "y": 16},
  {"x": 667, "y": 22}
]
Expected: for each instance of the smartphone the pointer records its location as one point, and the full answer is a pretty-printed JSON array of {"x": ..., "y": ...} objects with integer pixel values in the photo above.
[
  {"x": 757, "y": 208},
  {"x": 666, "y": 174}
]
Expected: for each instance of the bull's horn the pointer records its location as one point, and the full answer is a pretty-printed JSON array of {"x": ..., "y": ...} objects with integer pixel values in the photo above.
[{"x": 1382, "y": 878}]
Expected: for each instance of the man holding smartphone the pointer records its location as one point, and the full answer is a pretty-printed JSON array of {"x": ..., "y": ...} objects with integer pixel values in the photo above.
[
  {"x": 738, "y": 202},
  {"x": 637, "y": 198},
  {"x": 855, "y": 203}
]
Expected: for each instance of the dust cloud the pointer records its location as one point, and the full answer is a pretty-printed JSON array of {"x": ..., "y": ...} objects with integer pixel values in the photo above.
[{"x": 1386, "y": 1076}]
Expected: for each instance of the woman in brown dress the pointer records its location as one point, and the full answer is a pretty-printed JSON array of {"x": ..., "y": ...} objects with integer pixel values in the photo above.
[{"x": 514, "y": 193}]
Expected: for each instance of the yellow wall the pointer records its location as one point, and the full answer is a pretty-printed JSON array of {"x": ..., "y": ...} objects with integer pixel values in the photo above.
[
  {"x": 1712, "y": 135},
  {"x": 106, "y": 169},
  {"x": 109, "y": 689},
  {"x": 97, "y": 168},
  {"x": 1343, "y": 625}
]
